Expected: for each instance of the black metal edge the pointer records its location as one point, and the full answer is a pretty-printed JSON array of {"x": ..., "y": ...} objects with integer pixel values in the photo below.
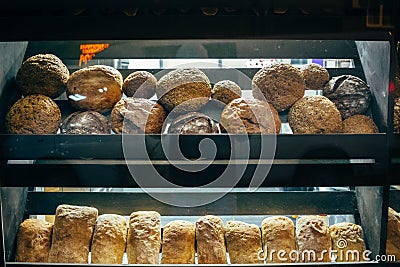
[
  {"x": 2, "y": 239},
  {"x": 394, "y": 199}
]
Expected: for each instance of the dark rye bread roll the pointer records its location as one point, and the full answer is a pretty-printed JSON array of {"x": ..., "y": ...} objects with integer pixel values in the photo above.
[
  {"x": 95, "y": 88},
  {"x": 141, "y": 84},
  {"x": 42, "y": 74},
  {"x": 33, "y": 114},
  {"x": 193, "y": 123},
  {"x": 137, "y": 115},
  {"x": 313, "y": 115},
  {"x": 183, "y": 90},
  {"x": 281, "y": 85},
  {"x": 226, "y": 91},
  {"x": 85, "y": 122},
  {"x": 250, "y": 116},
  {"x": 359, "y": 124},
  {"x": 315, "y": 76},
  {"x": 350, "y": 94}
]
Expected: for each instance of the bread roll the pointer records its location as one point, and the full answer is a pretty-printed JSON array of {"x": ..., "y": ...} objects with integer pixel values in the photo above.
[
  {"x": 85, "y": 122},
  {"x": 346, "y": 239},
  {"x": 141, "y": 84},
  {"x": 33, "y": 241},
  {"x": 109, "y": 239},
  {"x": 278, "y": 235},
  {"x": 313, "y": 239},
  {"x": 193, "y": 123},
  {"x": 144, "y": 237},
  {"x": 393, "y": 234},
  {"x": 178, "y": 243},
  {"x": 396, "y": 116},
  {"x": 315, "y": 76},
  {"x": 359, "y": 124},
  {"x": 226, "y": 91},
  {"x": 210, "y": 240},
  {"x": 243, "y": 241},
  {"x": 72, "y": 234}
]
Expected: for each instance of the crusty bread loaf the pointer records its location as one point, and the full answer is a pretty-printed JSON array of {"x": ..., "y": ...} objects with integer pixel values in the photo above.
[
  {"x": 178, "y": 243},
  {"x": 313, "y": 239},
  {"x": 243, "y": 241},
  {"x": 278, "y": 235},
  {"x": 72, "y": 234},
  {"x": 144, "y": 237},
  {"x": 393, "y": 234},
  {"x": 210, "y": 240},
  {"x": 359, "y": 124},
  {"x": 33, "y": 241},
  {"x": 109, "y": 239}
]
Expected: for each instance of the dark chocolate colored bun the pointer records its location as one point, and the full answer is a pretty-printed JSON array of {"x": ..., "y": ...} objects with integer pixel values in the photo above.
[
  {"x": 85, "y": 122},
  {"x": 193, "y": 123},
  {"x": 350, "y": 94}
]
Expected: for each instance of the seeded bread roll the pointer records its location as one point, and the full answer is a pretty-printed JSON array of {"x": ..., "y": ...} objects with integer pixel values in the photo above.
[
  {"x": 193, "y": 123},
  {"x": 184, "y": 90},
  {"x": 347, "y": 238},
  {"x": 42, "y": 74},
  {"x": 33, "y": 114},
  {"x": 95, "y": 88},
  {"x": 72, "y": 234},
  {"x": 85, "y": 122},
  {"x": 144, "y": 237},
  {"x": 312, "y": 234},
  {"x": 210, "y": 240},
  {"x": 359, "y": 124},
  {"x": 315, "y": 76},
  {"x": 137, "y": 115},
  {"x": 313, "y": 115},
  {"x": 243, "y": 241},
  {"x": 109, "y": 239},
  {"x": 178, "y": 243},
  {"x": 141, "y": 84},
  {"x": 396, "y": 117},
  {"x": 393, "y": 234},
  {"x": 250, "y": 116},
  {"x": 281, "y": 85},
  {"x": 350, "y": 94},
  {"x": 33, "y": 241},
  {"x": 278, "y": 235},
  {"x": 226, "y": 91}
]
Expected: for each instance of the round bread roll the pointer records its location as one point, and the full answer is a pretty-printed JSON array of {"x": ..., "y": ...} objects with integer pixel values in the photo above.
[
  {"x": 184, "y": 90},
  {"x": 315, "y": 76},
  {"x": 85, "y": 122},
  {"x": 359, "y": 124},
  {"x": 396, "y": 117},
  {"x": 314, "y": 114},
  {"x": 42, "y": 74},
  {"x": 281, "y": 85},
  {"x": 193, "y": 123},
  {"x": 95, "y": 88},
  {"x": 34, "y": 114},
  {"x": 225, "y": 91},
  {"x": 141, "y": 84},
  {"x": 350, "y": 94},
  {"x": 136, "y": 116},
  {"x": 251, "y": 116}
]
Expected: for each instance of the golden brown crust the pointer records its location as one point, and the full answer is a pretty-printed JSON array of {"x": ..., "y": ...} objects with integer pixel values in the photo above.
[
  {"x": 72, "y": 234},
  {"x": 347, "y": 238},
  {"x": 178, "y": 243},
  {"x": 33, "y": 241},
  {"x": 137, "y": 115},
  {"x": 42, "y": 74},
  {"x": 393, "y": 234},
  {"x": 359, "y": 124},
  {"x": 109, "y": 239},
  {"x": 34, "y": 114},
  {"x": 226, "y": 91},
  {"x": 396, "y": 117},
  {"x": 250, "y": 116},
  {"x": 141, "y": 84},
  {"x": 281, "y": 85},
  {"x": 144, "y": 237},
  {"x": 184, "y": 90},
  {"x": 243, "y": 242},
  {"x": 277, "y": 235},
  {"x": 315, "y": 114},
  {"x": 312, "y": 234},
  {"x": 315, "y": 76},
  {"x": 210, "y": 240},
  {"x": 95, "y": 88}
]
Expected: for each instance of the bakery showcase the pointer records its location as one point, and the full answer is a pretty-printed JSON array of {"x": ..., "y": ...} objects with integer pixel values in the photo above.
[{"x": 269, "y": 142}]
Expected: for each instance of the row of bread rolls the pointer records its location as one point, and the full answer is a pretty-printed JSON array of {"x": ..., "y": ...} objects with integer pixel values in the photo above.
[
  {"x": 78, "y": 230},
  {"x": 100, "y": 88}
]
